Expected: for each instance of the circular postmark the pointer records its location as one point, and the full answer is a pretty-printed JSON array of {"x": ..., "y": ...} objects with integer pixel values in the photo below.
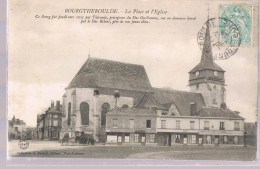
[
  {"x": 23, "y": 144},
  {"x": 225, "y": 37}
]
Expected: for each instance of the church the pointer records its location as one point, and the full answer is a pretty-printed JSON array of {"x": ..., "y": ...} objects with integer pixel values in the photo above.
[{"x": 116, "y": 103}]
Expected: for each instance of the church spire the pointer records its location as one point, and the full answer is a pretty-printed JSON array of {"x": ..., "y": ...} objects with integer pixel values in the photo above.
[
  {"x": 206, "y": 57},
  {"x": 206, "y": 62}
]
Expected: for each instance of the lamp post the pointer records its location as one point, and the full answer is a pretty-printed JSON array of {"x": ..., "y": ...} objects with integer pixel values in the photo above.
[{"x": 245, "y": 137}]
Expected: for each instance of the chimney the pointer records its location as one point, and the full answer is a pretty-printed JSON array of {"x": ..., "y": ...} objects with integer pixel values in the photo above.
[
  {"x": 223, "y": 106},
  {"x": 13, "y": 119},
  {"x": 116, "y": 95},
  {"x": 154, "y": 108},
  {"x": 96, "y": 92},
  {"x": 58, "y": 105},
  {"x": 52, "y": 104},
  {"x": 237, "y": 112},
  {"x": 193, "y": 109}
]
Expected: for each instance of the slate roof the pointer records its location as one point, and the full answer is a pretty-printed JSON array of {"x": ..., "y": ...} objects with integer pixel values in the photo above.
[
  {"x": 204, "y": 66},
  {"x": 207, "y": 62},
  {"x": 132, "y": 111},
  {"x": 55, "y": 109},
  {"x": 148, "y": 101},
  {"x": 219, "y": 112},
  {"x": 16, "y": 122},
  {"x": 111, "y": 74},
  {"x": 181, "y": 99},
  {"x": 136, "y": 95}
]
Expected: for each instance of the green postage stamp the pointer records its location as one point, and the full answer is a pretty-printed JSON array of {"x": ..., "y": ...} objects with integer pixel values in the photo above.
[{"x": 241, "y": 16}]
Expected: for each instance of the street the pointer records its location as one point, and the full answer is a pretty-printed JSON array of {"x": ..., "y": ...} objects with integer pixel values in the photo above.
[{"x": 53, "y": 149}]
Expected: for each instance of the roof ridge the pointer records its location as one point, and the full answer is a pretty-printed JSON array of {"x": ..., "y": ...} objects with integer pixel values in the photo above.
[
  {"x": 114, "y": 61},
  {"x": 173, "y": 90}
]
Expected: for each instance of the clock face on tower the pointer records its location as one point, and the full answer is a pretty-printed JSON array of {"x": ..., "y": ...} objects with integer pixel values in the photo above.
[
  {"x": 215, "y": 73},
  {"x": 197, "y": 73}
]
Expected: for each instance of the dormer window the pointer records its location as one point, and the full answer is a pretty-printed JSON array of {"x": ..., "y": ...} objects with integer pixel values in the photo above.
[
  {"x": 125, "y": 106},
  {"x": 164, "y": 113}
]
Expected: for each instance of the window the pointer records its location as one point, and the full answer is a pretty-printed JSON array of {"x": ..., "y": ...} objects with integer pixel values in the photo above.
[
  {"x": 73, "y": 102},
  {"x": 119, "y": 139},
  {"x": 131, "y": 123},
  {"x": 54, "y": 134},
  {"x": 49, "y": 120},
  {"x": 192, "y": 124},
  {"x": 152, "y": 137},
  {"x": 222, "y": 126},
  {"x": 206, "y": 125},
  {"x": 178, "y": 124},
  {"x": 235, "y": 140},
  {"x": 177, "y": 138},
  {"x": 236, "y": 126},
  {"x": 127, "y": 138},
  {"x": 55, "y": 122},
  {"x": 104, "y": 109},
  {"x": 136, "y": 138},
  {"x": 163, "y": 124},
  {"x": 148, "y": 124},
  {"x": 225, "y": 140},
  {"x": 84, "y": 112},
  {"x": 111, "y": 138},
  {"x": 114, "y": 123},
  {"x": 208, "y": 139},
  {"x": 69, "y": 114},
  {"x": 193, "y": 107},
  {"x": 192, "y": 139}
]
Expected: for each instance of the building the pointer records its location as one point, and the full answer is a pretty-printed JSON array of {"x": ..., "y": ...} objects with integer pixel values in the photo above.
[
  {"x": 198, "y": 117},
  {"x": 92, "y": 93},
  {"x": 31, "y": 133},
  {"x": 116, "y": 103},
  {"x": 16, "y": 128},
  {"x": 250, "y": 128},
  {"x": 49, "y": 123},
  {"x": 250, "y": 134},
  {"x": 131, "y": 125}
]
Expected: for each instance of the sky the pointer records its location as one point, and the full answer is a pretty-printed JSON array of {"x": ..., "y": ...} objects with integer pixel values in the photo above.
[{"x": 44, "y": 55}]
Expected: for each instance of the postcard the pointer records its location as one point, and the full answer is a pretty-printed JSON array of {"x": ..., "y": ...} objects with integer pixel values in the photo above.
[{"x": 140, "y": 79}]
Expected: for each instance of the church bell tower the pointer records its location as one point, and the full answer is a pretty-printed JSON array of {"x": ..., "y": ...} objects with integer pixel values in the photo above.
[{"x": 207, "y": 77}]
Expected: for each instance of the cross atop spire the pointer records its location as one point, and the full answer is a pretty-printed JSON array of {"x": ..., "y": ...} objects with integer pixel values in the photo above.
[
  {"x": 208, "y": 11},
  {"x": 89, "y": 48}
]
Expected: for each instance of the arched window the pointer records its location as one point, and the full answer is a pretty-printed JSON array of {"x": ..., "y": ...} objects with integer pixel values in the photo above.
[
  {"x": 69, "y": 114},
  {"x": 104, "y": 109},
  {"x": 84, "y": 112}
]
